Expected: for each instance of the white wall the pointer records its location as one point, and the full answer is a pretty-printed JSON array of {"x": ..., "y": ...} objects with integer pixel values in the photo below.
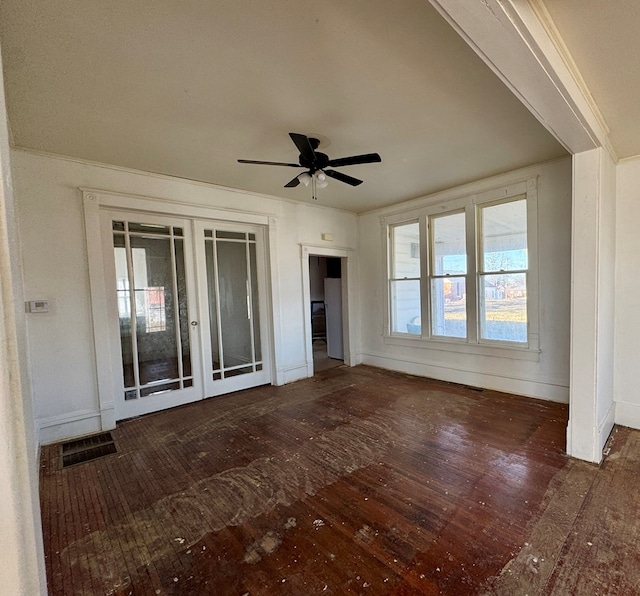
[
  {"x": 55, "y": 268},
  {"x": 627, "y": 295},
  {"x": 22, "y": 567},
  {"x": 547, "y": 377}
]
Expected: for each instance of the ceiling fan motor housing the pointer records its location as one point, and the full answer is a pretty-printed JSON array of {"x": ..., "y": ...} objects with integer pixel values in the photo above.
[{"x": 319, "y": 161}]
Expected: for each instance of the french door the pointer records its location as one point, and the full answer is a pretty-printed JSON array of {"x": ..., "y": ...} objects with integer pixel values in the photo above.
[
  {"x": 234, "y": 333},
  {"x": 187, "y": 301}
]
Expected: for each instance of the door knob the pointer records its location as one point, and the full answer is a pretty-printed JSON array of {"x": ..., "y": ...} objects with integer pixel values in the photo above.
[{"x": 194, "y": 323}]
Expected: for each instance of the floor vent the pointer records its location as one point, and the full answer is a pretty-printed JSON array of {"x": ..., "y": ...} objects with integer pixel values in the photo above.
[{"x": 86, "y": 449}]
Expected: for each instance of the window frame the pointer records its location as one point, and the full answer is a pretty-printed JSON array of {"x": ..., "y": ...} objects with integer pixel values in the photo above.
[
  {"x": 471, "y": 204},
  {"x": 481, "y": 271},
  {"x": 432, "y": 275},
  {"x": 391, "y": 269}
]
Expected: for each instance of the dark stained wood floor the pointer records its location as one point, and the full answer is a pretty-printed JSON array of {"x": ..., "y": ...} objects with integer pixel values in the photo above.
[{"x": 358, "y": 481}]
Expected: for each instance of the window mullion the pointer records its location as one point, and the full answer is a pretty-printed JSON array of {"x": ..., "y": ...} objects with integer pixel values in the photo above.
[
  {"x": 425, "y": 268},
  {"x": 472, "y": 269}
]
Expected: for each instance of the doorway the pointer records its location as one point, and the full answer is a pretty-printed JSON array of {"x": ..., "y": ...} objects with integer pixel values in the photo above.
[
  {"x": 327, "y": 327},
  {"x": 188, "y": 304}
]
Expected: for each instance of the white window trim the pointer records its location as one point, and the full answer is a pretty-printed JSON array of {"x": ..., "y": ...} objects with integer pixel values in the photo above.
[
  {"x": 472, "y": 344},
  {"x": 391, "y": 261}
]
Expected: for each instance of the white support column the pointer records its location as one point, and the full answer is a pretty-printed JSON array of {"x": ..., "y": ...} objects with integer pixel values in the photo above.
[
  {"x": 22, "y": 560},
  {"x": 591, "y": 409}
]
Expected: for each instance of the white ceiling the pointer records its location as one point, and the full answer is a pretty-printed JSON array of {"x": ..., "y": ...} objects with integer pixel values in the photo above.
[
  {"x": 186, "y": 88},
  {"x": 602, "y": 38}
]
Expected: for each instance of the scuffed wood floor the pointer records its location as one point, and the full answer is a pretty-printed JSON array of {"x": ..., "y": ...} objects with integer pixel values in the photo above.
[{"x": 358, "y": 481}]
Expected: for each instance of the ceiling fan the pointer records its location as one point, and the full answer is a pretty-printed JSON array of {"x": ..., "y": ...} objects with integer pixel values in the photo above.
[{"x": 316, "y": 164}]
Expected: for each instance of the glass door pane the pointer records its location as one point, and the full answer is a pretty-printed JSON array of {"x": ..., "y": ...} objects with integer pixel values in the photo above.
[
  {"x": 151, "y": 287},
  {"x": 255, "y": 310},
  {"x": 231, "y": 264},
  {"x": 235, "y": 305}
]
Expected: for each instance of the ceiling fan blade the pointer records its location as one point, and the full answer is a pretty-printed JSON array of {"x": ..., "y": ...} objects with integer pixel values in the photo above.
[
  {"x": 354, "y": 160},
  {"x": 270, "y": 163},
  {"x": 292, "y": 183},
  {"x": 342, "y": 177},
  {"x": 304, "y": 146}
]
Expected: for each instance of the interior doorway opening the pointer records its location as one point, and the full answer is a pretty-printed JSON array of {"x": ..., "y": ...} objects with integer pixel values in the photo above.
[{"x": 327, "y": 320}]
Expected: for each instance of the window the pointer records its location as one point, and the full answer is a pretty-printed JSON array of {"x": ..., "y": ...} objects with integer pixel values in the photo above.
[
  {"x": 461, "y": 272},
  {"x": 503, "y": 271},
  {"x": 448, "y": 275},
  {"x": 405, "y": 278}
]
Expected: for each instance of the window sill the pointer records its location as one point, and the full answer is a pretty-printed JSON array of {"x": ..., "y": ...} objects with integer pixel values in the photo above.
[{"x": 510, "y": 351}]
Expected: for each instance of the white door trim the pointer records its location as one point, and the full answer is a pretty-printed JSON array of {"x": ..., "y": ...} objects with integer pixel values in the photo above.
[{"x": 96, "y": 200}]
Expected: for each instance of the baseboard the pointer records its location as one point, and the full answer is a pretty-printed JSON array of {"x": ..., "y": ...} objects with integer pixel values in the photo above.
[
  {"x": 590, "y": 441},
  {"x": 526, "y": 387},
  {"x": 66, "y": 426},
  {"x": 627, "y": 414},
  {"x": 605, "y": 427},
  {"x": 292, "y": 373}
]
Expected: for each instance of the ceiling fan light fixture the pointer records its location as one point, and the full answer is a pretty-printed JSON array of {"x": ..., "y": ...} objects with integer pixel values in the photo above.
[
  {"x": 321, "y": 179},
  {"x": 305, "y": 178}
]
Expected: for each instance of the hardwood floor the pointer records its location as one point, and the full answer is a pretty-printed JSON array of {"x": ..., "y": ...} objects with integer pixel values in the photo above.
[
  {"x": 358, "y": 481},
  {"x": 321, "y": 360}
]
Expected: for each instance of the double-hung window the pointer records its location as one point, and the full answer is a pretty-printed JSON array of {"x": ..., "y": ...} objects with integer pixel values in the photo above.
[
  {"x": 461, "y": 271},
  {"x": 448, "y": 275},
  {"x": 502, "y": 275},
  {"x": 405, "y": 278}
]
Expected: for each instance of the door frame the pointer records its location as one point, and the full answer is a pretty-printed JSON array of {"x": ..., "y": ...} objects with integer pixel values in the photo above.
[
  {"x": 348, "y": 289},
  {"x": 95, "y": 201}
]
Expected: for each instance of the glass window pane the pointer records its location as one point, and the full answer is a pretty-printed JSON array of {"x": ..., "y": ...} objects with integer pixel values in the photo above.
[
  {"x": 449, "y": 307},
  {"x": 231, "y": 235},
  {"x": 406, "y": 251},
  {"x": 504, "y": 236},
  {"x": 124, "y": 309},
  {"x": 255, "y": 304},
  {"x": 155, "y": 316},
  {"x": 503, "y": 307},
  {"x": 118, "y": 226},
  {"x": 405, "y": 307},
  {"x": 183, "y": 308},
  {"x": 235, "y": 323},
  {"x": 213, "y": 311},
  {"x": 449, "y": 245},
  {"x": 238, "y": 371},
  {"x": 149, "y": 228}
]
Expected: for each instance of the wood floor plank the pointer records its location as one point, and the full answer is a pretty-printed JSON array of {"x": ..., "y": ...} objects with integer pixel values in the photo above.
[{"x": 357, "y": 481}]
